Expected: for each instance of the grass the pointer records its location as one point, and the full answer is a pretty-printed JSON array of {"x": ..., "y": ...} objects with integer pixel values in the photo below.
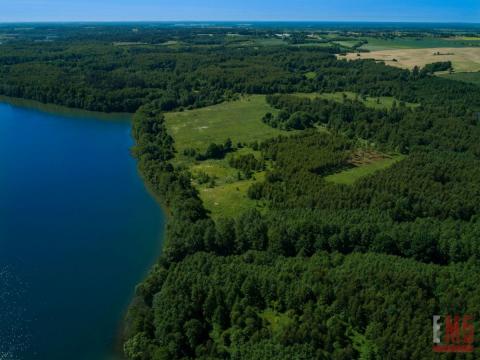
[
  {"x": 229, "y": 199},
  {"x": 346, "y": 43},
  {"x": 220, "y": 170},
  {"x": 376, "y": 44},
  {"x": 383, "y": 102},
  {"x": 314, "y": 44},
  {"x": 463, "y": 38},
  {"x": 465, "y": 59},
  {"x": 277, "y": 321},
  {"x": 350, "y": 176},
  {"x": 472, "y": 77},
  {"x": 239, "y": 120}
]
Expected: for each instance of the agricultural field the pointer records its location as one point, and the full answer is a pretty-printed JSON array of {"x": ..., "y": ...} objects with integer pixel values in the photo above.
[
  {"x": 382, "y": 102},
  {"x": 364, "y": 164},
  {"x": 463, "y": 59},
  {"x": 378, "y": 44}
]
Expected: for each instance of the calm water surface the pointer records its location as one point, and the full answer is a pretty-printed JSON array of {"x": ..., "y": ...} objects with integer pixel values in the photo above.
[{"x": 78, "y": 230}]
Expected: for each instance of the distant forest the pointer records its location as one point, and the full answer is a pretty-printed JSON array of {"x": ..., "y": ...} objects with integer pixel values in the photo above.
[{"x": 325, "y": 271}]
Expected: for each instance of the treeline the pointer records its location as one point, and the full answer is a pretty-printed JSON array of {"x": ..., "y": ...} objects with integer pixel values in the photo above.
[
  {"x": 401, "y": 128},
  {"x": 437, "y": 66},
  {"x": 248, "y": 164},
  {"x": 189, "y": 222},
  {"x": 262, "y": 306},
  {"x": 101, "y": 76}
]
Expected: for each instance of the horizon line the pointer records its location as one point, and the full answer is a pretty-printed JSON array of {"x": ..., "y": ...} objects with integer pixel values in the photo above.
[{"x": 239, "y": 21}]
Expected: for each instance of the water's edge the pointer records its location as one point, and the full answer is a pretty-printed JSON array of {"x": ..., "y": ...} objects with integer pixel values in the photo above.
[
  {"x": 80, "y": 113},
  {"x": 55, "y": 109}
]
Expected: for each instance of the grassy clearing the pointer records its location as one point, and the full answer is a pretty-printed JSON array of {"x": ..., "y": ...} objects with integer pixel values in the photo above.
[
  {"x": 268, "y": 42},
  {"x": 383, "y": 102},
  {"x": 277, "y": 321},
  {"x": 350, "y": 176},
  {"x": 239, "y": 120},
  {"x": 346, "y": 43},
  {"x": 217, "y": 169},
  {"x": 229, "y": 199},
  {"x": 220, "y": 170},
  {"x": 314, "y": 44},
  {"x": 463, "y": 59}
]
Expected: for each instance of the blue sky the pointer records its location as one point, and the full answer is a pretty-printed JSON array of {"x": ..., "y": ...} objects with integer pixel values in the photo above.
[{"x": 162, "y": 10}]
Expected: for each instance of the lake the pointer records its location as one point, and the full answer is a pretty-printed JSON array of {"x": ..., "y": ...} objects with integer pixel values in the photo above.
[{"x": 78, "y": 231}]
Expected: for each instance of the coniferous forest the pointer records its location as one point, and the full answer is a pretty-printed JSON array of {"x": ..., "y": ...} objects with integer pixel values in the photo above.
[{"x": 323, "y": 270}]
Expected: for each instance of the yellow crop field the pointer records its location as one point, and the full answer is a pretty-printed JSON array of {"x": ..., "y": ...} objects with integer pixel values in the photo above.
[{"x": 463, "y": 59}]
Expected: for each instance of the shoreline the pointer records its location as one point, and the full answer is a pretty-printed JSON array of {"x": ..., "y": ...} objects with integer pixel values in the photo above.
[
  {"x": 118, "y": 338},
  {"x": 62, "y": 110}
]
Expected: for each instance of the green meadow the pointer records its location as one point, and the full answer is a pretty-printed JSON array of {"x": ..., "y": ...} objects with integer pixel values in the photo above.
[
  {"x": 383, "y": 102},
  {"x": 350, "y": 176},
  {"x": 239, "y": 120},
  {"x": 229, "y": 199},
  {"x": 469, "y": 77},
  {"x": 378, "y": 44},
  {"x": 225, "y": 195}
]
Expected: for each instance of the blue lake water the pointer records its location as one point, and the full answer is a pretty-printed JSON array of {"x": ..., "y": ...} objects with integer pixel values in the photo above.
[{"x": 78, "y": 231}]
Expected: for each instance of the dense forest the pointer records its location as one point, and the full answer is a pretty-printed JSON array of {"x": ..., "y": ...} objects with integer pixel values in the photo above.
[{"x": 325, "y": 271}]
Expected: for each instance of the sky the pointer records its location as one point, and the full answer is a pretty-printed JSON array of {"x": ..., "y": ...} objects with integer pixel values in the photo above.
[{"x": 241, "y": 10}]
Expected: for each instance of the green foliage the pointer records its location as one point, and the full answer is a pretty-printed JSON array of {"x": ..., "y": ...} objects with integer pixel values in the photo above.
[
  {"x": 306, "y": 268},
  {"x": 357, "y": 306},
  {"x": 247, "y": 164},
  {"x": 350, "y": 176},
  {"x": 216, "y": 151},
  {"x": 437, "y": 66},
  {"x": 239, "y": 120}
]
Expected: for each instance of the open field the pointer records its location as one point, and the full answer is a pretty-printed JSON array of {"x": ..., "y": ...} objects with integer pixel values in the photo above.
[
  {"x": 469, "y": 77},
  {"x": 239, "y": 120},
  {"x": 346, "y": 43},
  {"x": 226, "y": 194},
  {"x": 382, "y": 102},
  {"x": 463, "y": 59},
  {"x": 377, "y": 44},
  {"x": 463, "y": 38},
  {"x": 350, "y": 176},
  {"x": 229, "y": 199}
]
